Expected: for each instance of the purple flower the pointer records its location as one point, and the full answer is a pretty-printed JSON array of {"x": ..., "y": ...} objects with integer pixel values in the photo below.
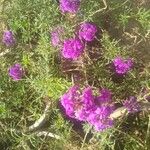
[
  {"x": 71, "y": 6},
  {"x": 8, "y": 38},
  {"x": 72, "y": 48},
  {"x": 88, "y": 104},
  {"x": 132, "y": 105},
  {"x": 69, "y": 100},
  {"x": 82, "y": 106},
  {"x": 88, "y": 97},
  {"x": 105, "y": 96},
  {"x": 100, "y": 118},
  {"x": 16, "y": 72},
  {"x": 82, "y": 114},
  {"x": 55, "y": 36},
  {"x": 68, "y": 104},
  {"x": 101, "y": 126},
  {"x": 122, "y": 66},
  {"x": 87, "y": 31}
]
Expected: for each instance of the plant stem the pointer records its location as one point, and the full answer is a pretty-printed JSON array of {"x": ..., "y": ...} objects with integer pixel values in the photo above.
[{"x": 85, "y": 137}]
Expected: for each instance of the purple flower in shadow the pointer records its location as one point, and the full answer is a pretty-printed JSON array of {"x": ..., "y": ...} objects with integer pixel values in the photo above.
[
  {"x": 87, "y": 31},
  {"x": 16, "y": 72},
  {"x": 56, "y": 36},
  {"x": 83, "y": 108},
  {"x": 132, "y": 104},
  {"x": 71, "y": 6},
  {"x": 100, "y": 118},
  {"x": 122, "y": 66},
  {"x": 105, "y": 97},
  {"x": 72, "y": 48},
  {"x": 8, "y": 38}
]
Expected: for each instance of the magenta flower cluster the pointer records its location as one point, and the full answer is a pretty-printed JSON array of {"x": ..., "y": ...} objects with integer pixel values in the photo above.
[
  {"x": 72, "y": 48},
  {"x": 8, "y": 38},
  {"x": 85, "y": 106},
  {"x": 132, "y": 104},
  {"x": 122, "y": 66},
  {"x": 56, "y": 36},
  {"x": 71, "y": 6},
  {"x": 16, "y": 72},
  {"x": 87, "y": 31}
]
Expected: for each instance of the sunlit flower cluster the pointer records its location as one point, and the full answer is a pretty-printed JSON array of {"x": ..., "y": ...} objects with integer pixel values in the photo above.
[{"x": 83, "y": 105}]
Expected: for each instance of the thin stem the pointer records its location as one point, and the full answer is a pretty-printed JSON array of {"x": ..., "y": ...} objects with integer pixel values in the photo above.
[
  {"x": 99, "y": 10},
  {"x": 148, "y": 131},
  {"x": 83, "y": 143},
  {"x": 48, "y": 134}
]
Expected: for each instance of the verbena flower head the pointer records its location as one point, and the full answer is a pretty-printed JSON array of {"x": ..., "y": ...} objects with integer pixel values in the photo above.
[
  {"x": 82, "y": 106},
  {"x": 72, "y": 48},
  {"x": 16, "y": 72},
  {"x": 88, "y": 104},
  {"x": 100, "y": 118},
  {"x": 132, "y": 105},
  {"x": 69, "y": 99},
  {"x": 55, "y": 36},
  {"x": 88, "y": 97},
  {"x": 122, "y": 66},
  {"x": 87, "y": 31},
  {"x": 68, "y": 105},
  {"x": 71, "y": 6},
  {"x": 105, "y": 96},
  {"x": 8, "y": 38}
]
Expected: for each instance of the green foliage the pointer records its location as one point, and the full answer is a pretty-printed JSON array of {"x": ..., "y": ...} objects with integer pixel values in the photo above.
[
  {"x": 143, "y": 16},
  {"x": 50, "y": 86},
  {"x": 112, "y": 49},
  {"x": 125, "y": 32},
  {"x": 31, "y": 18}
]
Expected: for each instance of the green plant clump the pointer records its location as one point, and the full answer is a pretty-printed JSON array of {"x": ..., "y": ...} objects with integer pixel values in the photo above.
[{"x": 39, "y": 65}]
